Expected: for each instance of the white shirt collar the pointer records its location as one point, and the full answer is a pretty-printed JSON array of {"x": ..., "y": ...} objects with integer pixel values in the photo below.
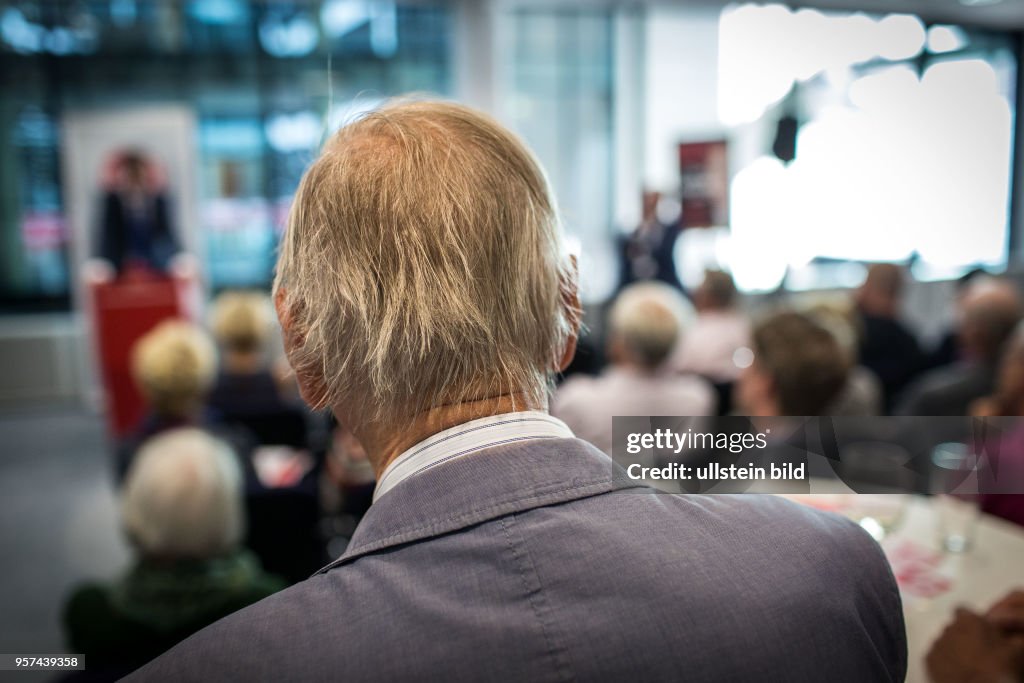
[{"x": 467, "y": 438}]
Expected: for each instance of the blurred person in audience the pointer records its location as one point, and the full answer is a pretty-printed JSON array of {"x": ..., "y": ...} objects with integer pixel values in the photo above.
[
  {"x": 241, "y": 323},
  {"x": 644, "y": 325},
  {"x": 991, "y": 309},
  {"x": 174, "y": 366},
  {"x": 976, "y": 648},
  {"x": 1007, "y": 443},
  {"x": 887, "y": 347},
  {"x": 947, "y": 348},
  {"x": 861, "y": 394},
  {"x": 799, "y": 368},
  {"x": 426, "y": 297},
  {"x": 136, "y": 229},
  {"x": 182, "y": 512},
  {"x": 247, "y": 392},
  {"x": 349, "y": 481},
  {"x": 283, "y": 505},
  {"x": 709, "y": 347},
  {"x": 1008, "y": 397}
]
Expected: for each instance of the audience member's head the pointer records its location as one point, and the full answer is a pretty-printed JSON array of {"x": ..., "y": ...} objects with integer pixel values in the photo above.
[
  {"x": 882, "y": 290},
  {"x": 798, "y": 368},
  {"x": 990, "y": 310},
  {"x": 717, "y": 292},
  {"x": 645, "y": 324},
  {"x": 242, "y": 323},
  {"x": 841, "y": 322},
  {"x": 423, "y": 267},
  {"x": 182, "y": 498},
  {"x": 963, "y": 282},
  {"x": 174, "y": 366}
]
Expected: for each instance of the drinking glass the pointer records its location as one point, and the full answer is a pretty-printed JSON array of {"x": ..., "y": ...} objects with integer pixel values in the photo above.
[{"x": 958, "y": 501}]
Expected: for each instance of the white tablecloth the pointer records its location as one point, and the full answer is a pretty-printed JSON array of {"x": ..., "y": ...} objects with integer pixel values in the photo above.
[
  {"x": 982, "y": 575},
  {"x": 977, "y": 578}
]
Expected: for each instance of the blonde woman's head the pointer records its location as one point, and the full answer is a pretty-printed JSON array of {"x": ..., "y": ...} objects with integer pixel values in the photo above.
[
  {"x": 242, "y": 321},
  {"x": 174, "y": 366}
]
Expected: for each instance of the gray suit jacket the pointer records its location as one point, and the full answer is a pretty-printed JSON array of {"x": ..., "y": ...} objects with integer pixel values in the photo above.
[{"x": 520, "y": 563}]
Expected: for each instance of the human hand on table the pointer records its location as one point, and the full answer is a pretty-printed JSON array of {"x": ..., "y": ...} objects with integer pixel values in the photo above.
[
  {"x": 1008, "y": 614},
  {"x": 973, "y": 649}
]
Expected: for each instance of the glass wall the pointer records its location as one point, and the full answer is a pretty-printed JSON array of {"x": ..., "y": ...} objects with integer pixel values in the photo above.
[
  {"x": 266, "y": 80},
  {"x": 902, "y": 131},
  {"x": 556, "y": 89}
]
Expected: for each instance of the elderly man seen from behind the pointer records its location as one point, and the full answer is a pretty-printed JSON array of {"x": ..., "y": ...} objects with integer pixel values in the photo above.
[
  {"x": 643, "y": 327},
  {"x": 427, "y": 299}
]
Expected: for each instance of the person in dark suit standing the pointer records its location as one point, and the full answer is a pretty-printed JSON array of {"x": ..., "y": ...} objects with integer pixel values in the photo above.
[
  {"x": 427, "y": 298},
  {"x": 135, "y": 227},
  {"x": 648, "y": 253}
]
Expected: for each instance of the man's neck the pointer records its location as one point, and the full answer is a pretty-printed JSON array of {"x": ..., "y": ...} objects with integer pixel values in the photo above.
[{"x": 383, "y": 445}]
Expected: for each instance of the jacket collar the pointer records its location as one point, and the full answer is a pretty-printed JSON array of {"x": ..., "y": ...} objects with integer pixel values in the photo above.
[{"x": 483, "y": 486}]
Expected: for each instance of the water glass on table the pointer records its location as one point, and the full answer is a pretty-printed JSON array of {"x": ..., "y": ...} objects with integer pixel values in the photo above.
[
  {"x": 958, "y": 519},
  {"x": 958, "y": 503}
]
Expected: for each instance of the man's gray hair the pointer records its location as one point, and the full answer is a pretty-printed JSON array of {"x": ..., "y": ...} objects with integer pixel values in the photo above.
[
  {"x": 423, "y": 265},
  {"x": 649, "y": 318},
  {"x": 182, "y": 497}
]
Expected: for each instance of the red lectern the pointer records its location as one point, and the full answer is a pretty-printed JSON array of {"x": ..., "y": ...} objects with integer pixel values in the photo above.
[{"x": 124, "y": 310}]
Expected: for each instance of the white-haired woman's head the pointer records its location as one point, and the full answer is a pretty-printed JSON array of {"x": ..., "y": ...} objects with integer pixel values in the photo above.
[
  {"x": 646, "y": 323},
  {"x": 182, "y": 497}
]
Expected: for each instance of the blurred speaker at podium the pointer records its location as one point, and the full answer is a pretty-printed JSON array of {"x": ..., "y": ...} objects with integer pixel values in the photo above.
[{"x": 135, "y": 229}]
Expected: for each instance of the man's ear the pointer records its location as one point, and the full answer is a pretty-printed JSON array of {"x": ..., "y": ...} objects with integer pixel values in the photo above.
[
  {"x": 284, "y": 315},
  {"x": 571, "y": 301},
  {"x": 311, "y": 386}
]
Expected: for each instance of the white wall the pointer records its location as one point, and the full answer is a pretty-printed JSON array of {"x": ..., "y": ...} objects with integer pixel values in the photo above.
[
  {"x": 628, "y": 109},
  {"x": 681, "y": 88},
  {"x": 473, "y": 53}
]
